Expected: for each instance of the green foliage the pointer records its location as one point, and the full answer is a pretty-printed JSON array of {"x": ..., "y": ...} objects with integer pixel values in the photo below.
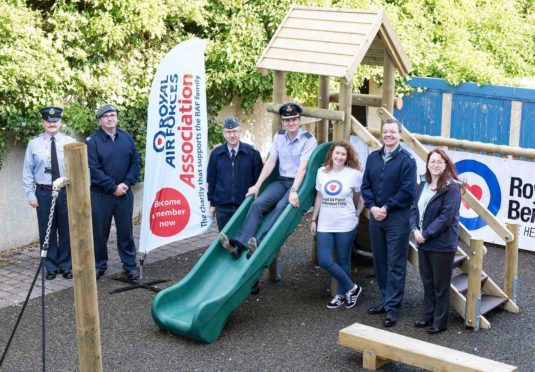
[{"x": 83, "y": 53}]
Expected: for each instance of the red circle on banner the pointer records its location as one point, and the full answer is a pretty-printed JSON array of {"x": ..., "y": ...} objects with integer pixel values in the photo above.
[{"x": 169, "y": 213}]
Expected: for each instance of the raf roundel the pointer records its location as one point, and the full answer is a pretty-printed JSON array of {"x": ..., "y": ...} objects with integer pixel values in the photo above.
[{"x": 333, "y": 188}]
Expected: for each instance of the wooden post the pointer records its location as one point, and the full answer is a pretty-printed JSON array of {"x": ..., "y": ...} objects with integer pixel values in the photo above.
[
  {"x": 345, "y": 104},
  {"x": 279, "y": 95},
  {"x": 389, "y": 81},
  {"x": 83, "y": 258},
  {"x": 473, "y": 295},
  {"x": 322, "y": 133},
  {"x": 510, "y": 281}
]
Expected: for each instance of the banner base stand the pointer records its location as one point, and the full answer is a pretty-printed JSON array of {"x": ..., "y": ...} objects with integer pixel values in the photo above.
[{"x": 134, "y": 285}]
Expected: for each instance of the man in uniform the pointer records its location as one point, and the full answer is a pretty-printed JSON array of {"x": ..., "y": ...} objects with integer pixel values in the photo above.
[
  {"x": 388, "y": 190},
  {"x": 293, "y": 147},
  {"x": 114, "y": 168},
  {"x": 233, "y": 167},
  {"x": 43, "y": 164}
]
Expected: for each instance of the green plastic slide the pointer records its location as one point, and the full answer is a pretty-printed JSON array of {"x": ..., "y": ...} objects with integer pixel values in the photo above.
[{"x": 198, "y": 306}]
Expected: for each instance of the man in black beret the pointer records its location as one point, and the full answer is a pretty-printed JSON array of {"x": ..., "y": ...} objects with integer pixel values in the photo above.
[
  {"x": 233, "y": 167},
  {"x": 114, "y": 167}
]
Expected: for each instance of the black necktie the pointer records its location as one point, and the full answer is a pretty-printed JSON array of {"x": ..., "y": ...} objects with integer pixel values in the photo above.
[
  {"x": 232, "y": 155},
  {"x": 54, "y": 159}
]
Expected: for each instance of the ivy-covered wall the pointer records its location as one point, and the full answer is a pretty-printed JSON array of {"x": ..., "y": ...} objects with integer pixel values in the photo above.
[{"x": 83, "y": 53}]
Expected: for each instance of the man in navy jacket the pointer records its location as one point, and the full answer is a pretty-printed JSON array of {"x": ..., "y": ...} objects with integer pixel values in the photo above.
[
  {"x": 388, "y": 190},
  {"x": 114, "y": 168},
  {"x": 233, "y": 167}
]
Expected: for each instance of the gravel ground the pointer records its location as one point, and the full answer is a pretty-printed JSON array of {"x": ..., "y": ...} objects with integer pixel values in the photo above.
[{"x": 285, "y": 327}]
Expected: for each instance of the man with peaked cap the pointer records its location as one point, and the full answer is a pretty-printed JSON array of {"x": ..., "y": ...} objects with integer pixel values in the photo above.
[
  {"x": 114, "y": 167},
  {"x": 292, "y": 147},
  {"x": 233, "y": 167},
  {"x": 43, "y": 164}
]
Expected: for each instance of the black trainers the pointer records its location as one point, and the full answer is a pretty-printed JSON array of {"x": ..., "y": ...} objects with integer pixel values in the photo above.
[
  {"x": 252, "y": 243},
  {"x": 352, "y": 295},
  {"x": 336, "y": 302}
]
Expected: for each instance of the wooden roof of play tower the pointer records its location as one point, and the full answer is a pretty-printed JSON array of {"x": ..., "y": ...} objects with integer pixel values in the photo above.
[{"x": 332, "y": 42}]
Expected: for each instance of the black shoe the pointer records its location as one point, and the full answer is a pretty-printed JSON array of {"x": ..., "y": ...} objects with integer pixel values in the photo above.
[
  {"x": 50, "y": 275},
  {"x": 390, "y": 320},
  {"x": 67, "y": 274},
  {"x": 132, "y": 274},
  {"x": 374, "y": 310},
  {"x": 433, "y": 330},
  {"x": 422, "y": 323},
  {"x": 100, "y": 273},
  {"x": 255, "y": 289}
]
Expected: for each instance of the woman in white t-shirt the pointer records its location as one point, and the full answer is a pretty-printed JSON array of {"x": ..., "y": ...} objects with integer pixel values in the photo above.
[{"x": 338, "y": 205}]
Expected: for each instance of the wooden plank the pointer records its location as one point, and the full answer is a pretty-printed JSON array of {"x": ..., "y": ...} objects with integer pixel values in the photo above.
[
  {"x": 279, "y": 95},
  {"x": 303, "y": 67},
  {"x": 358, "y": 99},
  {"x": 414, "y": 352},
  {"x": 361, "y": 131},
  {"x": 312, "y": 112},
  {"x": 345, "y": 106},
  {"x": 357, "y": 28},
  {"x": 473, "y": 295},
  {"x": 445, "y": 125},
  {"x": 511, "y": 263},
  {"x": 329, "y": 36},
  {"x": 261, "y": 58},
  {"x": 320, "y": 14},
  {"x": 395, "y": 48},
  {"x": 371, "y": 361},
  {"x": 515, "y": 124},
  {"x": 490, "y": 287},
  {"x": 389, "y": 81},
  {"x": 316, "y": 46},
  {"x": 323, "y": 103},
  {"x": 372, "y": 61},
  {"x": 313, "y": 57}
]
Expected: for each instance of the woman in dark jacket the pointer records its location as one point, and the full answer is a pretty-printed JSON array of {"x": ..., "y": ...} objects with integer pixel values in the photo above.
[{"x": 435, "y": 223}]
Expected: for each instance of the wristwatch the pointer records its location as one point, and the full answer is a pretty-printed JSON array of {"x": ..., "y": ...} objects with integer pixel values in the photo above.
[{"x": 293, "y": 189}]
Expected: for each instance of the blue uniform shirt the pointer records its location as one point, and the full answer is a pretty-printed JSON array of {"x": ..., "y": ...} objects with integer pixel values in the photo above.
[
  {"x": 292, "y": 152},
  {"x": 38, "y": 158},
  {"x": 112, "y": 162}
]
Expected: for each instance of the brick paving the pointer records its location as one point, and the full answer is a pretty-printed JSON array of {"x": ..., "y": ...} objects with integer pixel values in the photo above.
[{"x": 18, "y": 266}]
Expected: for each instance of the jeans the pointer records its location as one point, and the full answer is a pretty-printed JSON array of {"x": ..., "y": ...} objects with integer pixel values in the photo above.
[
  {"x": 223, "y": 215},
  {"x": 339, "y": 243}
]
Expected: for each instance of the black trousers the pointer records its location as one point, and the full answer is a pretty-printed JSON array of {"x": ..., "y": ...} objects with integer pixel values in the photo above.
[{"x": 435, "y": 272}]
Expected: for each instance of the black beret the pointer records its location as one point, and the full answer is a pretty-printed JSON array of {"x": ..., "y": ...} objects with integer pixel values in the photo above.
[
  {"x": 230, "y": 123},
  {"x": 290, "y": 110},
  {"x": 105, "y": 109},
  {"x": 51, "y": 113}
]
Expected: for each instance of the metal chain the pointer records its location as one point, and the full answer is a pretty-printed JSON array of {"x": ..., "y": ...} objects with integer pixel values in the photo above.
[{"x": 56, "y": 188}]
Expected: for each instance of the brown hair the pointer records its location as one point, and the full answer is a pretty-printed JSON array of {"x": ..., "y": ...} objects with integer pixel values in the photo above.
[
  {"x": 450, "y": 173},
  {"x": 352, "y": 160}
]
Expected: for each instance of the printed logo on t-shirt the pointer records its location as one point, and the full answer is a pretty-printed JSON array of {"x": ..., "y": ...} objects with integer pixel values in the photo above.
[{"x": 333, "y": 188}]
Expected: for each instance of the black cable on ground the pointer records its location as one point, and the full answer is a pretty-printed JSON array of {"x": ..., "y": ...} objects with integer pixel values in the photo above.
[{"x": 21, "y": 312}]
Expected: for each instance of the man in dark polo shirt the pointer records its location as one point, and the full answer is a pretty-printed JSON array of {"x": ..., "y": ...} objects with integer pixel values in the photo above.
[{"x": 114, "y": 168}]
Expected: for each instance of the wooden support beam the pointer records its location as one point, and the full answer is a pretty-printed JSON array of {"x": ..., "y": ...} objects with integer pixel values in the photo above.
[
  {"x": 473, "y": 295},
  {"x": 312, "y": 112},
  {"x": 83, "y": 258},
  {"x": 358, "y": 99},
  {"x": 389, "y": 81},
  {"x": 510, "y": 280},
  {"x": 345, "y": 106},
  {"x": 279, "y": 96},
  {"x": 322, "y": 133}
]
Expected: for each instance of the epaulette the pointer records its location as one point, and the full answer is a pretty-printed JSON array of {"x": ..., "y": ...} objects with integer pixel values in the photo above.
[
  {"x": 307, "y": 135},
  {"x": 282, "y": 131}
]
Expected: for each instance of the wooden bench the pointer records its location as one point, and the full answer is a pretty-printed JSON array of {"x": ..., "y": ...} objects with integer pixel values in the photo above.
[{"x": 378, "y": 346}]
